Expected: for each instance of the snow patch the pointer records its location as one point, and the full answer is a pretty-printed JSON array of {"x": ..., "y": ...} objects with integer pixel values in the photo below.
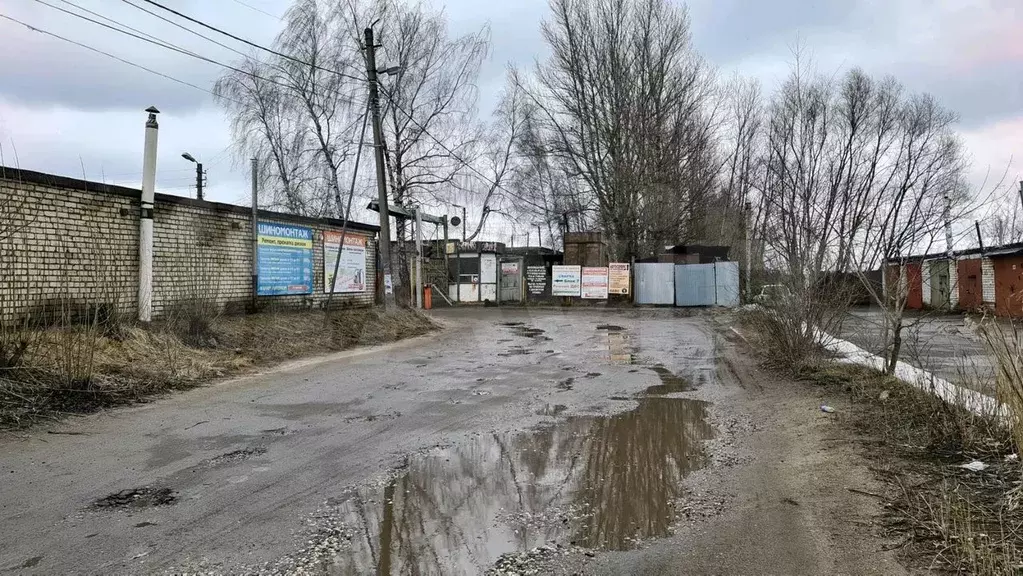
[{"x": 974, "y": 401}]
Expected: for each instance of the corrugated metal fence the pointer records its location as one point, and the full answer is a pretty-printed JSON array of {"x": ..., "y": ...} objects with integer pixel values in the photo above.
[{"x": 688, "y": 284}]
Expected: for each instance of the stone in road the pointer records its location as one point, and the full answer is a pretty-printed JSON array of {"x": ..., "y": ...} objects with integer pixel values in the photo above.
[{"x": 616, "y": 433}]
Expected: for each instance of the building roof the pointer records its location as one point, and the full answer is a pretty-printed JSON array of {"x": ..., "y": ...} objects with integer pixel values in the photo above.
[
  {"x": 989, "y": 252},
  {"x": 43, "y": 179}
]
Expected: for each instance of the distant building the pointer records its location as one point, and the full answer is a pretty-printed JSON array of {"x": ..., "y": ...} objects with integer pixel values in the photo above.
[{"x": 989, "y": 279}]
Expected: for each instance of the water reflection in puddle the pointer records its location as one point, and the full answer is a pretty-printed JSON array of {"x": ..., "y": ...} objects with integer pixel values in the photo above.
[
  {"x": 601, "y": 482},
  {"x": 620, "y": 349}
]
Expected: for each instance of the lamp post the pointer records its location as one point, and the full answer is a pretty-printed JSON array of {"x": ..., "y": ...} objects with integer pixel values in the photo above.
[
  {"x": 464, "y": 223},
  {"x": 199, "y": 174}
]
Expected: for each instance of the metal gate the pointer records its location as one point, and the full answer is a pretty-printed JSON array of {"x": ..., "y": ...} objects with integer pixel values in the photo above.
[
  {"x": 695, "y": 285},
  {"x": 654, "y": 283},
  {"x": 726, "y": 281},
  {"x": 707, "y": 284},
  {"x": 511, "y": 280}
]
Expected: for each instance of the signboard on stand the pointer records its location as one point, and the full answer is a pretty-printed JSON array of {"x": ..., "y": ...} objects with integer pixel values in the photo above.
[
  {"x": 536, "y": 281},
  {"x": 351, "y": 271},
  {"x": 566, "y": 280},
  {"x": 618, "y": 278},
  {"x": 285, "y": 259},
  {"x": 594, "y": 283}
]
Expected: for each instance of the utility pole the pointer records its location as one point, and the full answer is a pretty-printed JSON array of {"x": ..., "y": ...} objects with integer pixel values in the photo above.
[
  {"x": 953, "y": 272},
  {"x": 255, "y": 234},
  {"x": 145, "y": 294},
  {"x": 384, "y": 244},
  {"x": 749, "y": 257},
  {"x": 419, "y": 258},
  {"x": 198, "y": 180},
  {"x": 200, "y": 176},
  {"x": 465, "y": 224}
]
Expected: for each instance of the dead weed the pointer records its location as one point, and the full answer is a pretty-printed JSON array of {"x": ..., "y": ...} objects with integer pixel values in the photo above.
[
  {"x": 138, "y": 363},
  {"x": 947, "y": 518}
]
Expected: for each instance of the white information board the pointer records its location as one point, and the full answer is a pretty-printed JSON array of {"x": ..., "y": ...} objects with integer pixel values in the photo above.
[
  {"x": 594, "y": 283},
  {"x": 566, "y": 280}
]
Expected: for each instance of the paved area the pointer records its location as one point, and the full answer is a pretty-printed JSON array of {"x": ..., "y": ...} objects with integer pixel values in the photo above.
[
  {"x": 635, "y": 442},
  {"x": 943, "y": 344}
]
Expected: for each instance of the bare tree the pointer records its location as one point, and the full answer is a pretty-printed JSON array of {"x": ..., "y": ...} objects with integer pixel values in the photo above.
[
  {"x": 858, "y": 174},
  {"x": 267, "y": 125},
  {"x": 1004, "y": 224},
  {"x": 622, "y": 106}
]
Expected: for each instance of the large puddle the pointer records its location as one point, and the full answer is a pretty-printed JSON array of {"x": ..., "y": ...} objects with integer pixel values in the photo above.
[{"x": 600, "y": 482}]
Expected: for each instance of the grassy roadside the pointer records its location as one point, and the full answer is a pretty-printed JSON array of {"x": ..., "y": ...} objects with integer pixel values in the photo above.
[
  {"x": 945, "y": 517},
  {"x": 79, "y": 369}
]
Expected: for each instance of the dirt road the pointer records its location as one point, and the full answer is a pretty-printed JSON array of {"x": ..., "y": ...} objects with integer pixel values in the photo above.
[{"x": 619, "y": 442}]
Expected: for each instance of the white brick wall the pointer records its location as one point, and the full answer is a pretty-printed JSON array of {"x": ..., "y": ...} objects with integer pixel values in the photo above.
[
  {"x": 64, "y": 236},
  {"x": 988, "y": 279},
  {"x": 925, "y": 275}
]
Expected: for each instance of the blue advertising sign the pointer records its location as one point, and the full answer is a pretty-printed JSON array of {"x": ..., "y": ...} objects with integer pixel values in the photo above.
[{"x": 285, "y": 263}]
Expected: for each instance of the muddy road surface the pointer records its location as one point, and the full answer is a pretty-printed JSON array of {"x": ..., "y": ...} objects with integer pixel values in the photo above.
[{"x": 511, "y": 442}]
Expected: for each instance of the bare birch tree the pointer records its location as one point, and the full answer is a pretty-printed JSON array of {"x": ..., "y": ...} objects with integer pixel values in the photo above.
[{"x": 622, "y": 107}]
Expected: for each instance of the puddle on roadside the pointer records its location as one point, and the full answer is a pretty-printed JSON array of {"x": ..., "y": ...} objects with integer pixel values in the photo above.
[
  {"x": 601, "y": 482},
  {"x": 670, "y": 382}
]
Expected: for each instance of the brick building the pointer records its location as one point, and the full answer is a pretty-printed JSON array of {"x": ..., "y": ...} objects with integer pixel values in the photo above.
[{"x": 68, "y": 239}]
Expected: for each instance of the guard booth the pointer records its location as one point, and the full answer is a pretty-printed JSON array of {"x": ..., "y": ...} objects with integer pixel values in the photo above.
[
  {"x": 511, "y": 280},
  {"x": 475, "y": 268}
]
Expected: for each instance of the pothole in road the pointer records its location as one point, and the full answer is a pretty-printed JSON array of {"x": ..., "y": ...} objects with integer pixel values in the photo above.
[
  {"x": 521, "y": 329},
  {"x": 236, "y": 456},
  {"x": 601, "y": 482},
  {"x": 144, "y": 497}
]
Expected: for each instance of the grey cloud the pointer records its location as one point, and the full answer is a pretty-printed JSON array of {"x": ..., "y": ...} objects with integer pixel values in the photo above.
[
  {"x": 980, "y": 96},
  {"x": 43, "y": 71}
]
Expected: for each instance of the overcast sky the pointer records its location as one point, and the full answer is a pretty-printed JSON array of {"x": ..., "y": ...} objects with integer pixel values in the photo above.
[{"x": 63, "y": 107}]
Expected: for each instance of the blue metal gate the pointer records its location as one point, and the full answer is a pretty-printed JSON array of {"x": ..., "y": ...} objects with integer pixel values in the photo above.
[
  {"x": 707, "y": 284},
  {"x": 694, "y": 285},
  {"x": 655, "y": 283}
]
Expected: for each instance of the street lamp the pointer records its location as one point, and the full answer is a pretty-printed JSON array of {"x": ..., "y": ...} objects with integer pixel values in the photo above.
[
  {"x": 199, "y": 174},
  {"x": 464, "y": 223}
]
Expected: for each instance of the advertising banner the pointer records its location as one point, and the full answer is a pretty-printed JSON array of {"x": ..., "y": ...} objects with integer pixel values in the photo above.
[
  {"x": 351, "y": 271},
  {"x": 536, "y": 281},
  {"x": 285, "y": 259},
  {"x": 566, "y": 280},
  {"x": 618, "y": 278},
  {"x": 594, "y": 283}
]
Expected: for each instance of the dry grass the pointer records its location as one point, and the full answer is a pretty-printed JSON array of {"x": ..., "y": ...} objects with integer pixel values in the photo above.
[
  {"x": 947, "y": 519},
  {"x": 1004, "y": 344},
  {"x": 131, "y": 364}
]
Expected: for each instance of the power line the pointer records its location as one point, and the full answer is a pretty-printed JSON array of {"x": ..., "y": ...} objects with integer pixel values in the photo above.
[
  {"x": 251, "y": 7},
  {"x": 185, "y": 28},
  {"x": 249, "y": 42},
  {"x": 107, "y": 54},
  {"x": 135, "y": 33},
  {"x": 452, "y": 153},
  {"x": 162, "y": 44},
  {"x": 108, "y": 19}
]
